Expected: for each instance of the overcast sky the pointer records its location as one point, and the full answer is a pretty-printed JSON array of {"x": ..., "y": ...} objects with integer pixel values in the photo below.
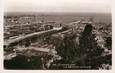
[{"x": 57, "y": 6}]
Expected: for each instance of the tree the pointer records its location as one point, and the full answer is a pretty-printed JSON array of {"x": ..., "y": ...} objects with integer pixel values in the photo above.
[
  {"x": 67, "y": 48},
  {"x": 89, "y": 48}
]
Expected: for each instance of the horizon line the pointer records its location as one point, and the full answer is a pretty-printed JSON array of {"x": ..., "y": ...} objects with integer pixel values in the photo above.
[{"x": 53, "y": 12}]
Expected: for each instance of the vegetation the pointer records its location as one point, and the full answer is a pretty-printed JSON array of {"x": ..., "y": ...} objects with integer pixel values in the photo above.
[
  {"x": 23, "y": 62},
  {"x": 86, "y": 55}
]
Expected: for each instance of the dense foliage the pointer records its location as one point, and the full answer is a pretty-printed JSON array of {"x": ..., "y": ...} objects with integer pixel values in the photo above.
[{"x": 85, "y": 55}]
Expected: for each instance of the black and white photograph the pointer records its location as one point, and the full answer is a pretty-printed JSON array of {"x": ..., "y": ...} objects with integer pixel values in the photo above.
[{"x": 57, "y": 35}]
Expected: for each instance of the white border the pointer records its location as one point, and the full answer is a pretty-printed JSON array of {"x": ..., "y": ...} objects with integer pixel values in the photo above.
[
  {"x": 56, "y": 71},
  {"x": 1, "y": 35}
]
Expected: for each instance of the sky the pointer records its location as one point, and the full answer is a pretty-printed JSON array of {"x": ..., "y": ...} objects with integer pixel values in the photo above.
[{"x": 100, "y": 6}]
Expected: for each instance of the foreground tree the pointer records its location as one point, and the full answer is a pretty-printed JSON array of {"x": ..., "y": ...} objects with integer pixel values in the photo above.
[
  {"x": 90, "y": 54},
  {"x": 67, "y": 48}
]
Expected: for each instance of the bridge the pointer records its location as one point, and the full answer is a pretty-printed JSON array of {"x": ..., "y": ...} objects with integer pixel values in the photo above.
[{"x": 31, "y": 36}]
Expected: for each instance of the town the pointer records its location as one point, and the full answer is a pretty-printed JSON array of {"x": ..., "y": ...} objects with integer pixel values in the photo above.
[{"x": 43, "y": 44}]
